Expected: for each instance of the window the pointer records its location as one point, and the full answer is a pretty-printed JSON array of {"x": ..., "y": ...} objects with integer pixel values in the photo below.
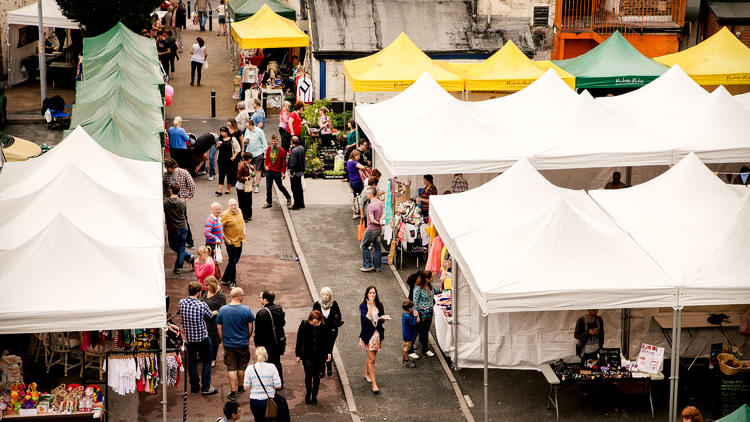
[{"x": 541, "y": 15}]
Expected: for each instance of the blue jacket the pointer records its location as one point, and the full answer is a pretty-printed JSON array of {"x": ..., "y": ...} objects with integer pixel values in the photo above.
[
  {"x": 367, "y": 328},
  {"x": 408, "y": 326}
]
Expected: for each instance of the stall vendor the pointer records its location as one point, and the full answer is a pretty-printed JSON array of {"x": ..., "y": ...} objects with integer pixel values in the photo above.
[
  {"x": 589, "y": 332},
  {"x": 424, "y": 198}
]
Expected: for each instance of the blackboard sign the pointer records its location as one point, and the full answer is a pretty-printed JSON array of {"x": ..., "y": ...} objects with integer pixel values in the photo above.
[{"x": 735, "y": 391}]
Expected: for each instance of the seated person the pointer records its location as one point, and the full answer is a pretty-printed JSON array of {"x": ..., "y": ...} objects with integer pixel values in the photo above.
[
  {"x": 589, "y": 332},
  {"x": 274, "y": 81},
  {"x": 615, "y": 183}
]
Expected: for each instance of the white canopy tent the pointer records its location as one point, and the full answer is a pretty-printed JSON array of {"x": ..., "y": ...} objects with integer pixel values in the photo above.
[
  {"x": 94, "y": 265},
  {"x": 744, "y": 99}
]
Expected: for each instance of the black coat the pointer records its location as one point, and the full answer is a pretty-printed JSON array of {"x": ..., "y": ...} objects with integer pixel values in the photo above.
[
  {"x": 312, "y": 342},
  {"x": 334, "y": 317},
  {"x": 263, "y": 333}
]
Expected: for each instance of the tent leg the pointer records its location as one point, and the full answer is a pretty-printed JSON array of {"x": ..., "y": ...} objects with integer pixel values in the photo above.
[
  {"x": 454, "y": 311},
  {"x": 164, "y": 373},
  {"x": 42, "y": 57},
  {"x": 344, "y": 96},
  {"x": 675, "y": 367},
  {"x": 354, "y": 116},
  {"x": 628, "y": 175},
  {"x": 486, "y": 375},
  {"x": 625, "y": 332}
]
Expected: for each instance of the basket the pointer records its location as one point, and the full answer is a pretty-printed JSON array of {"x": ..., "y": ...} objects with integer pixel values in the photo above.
[{"x": 724, "y": 359}]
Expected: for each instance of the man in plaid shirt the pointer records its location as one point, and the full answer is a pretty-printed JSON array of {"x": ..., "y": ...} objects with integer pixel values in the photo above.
[
  {"x": 459, "y": 184},
  {"x": 194, "y": 313},
  {"x": 175, "y": 174}
]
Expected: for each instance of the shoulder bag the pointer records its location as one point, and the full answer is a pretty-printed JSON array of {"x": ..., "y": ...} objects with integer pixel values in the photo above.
[
  {"x": 279, "y": 342},
  {"x": 271, "y": 410}
]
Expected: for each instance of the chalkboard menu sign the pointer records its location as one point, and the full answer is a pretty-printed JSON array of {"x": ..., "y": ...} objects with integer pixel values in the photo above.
[{"x": 734, "y": 391}]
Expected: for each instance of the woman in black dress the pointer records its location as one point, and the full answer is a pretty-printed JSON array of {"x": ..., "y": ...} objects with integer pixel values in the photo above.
[
  {"x": 331, "y": 322},
  {"x": 215, "y": 299},
  {"x": 312, "y": 352},
  {"x": 227, "y": 157}
]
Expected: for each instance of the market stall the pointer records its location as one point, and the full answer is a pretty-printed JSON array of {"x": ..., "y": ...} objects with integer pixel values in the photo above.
[
  {"x": 22, "y": 36},
  {"x": 615, "y": 63},
  {"x": 240, "y": 10},
  {"x": 508, "y": 70},
  {"x": 721, "y": 59}
]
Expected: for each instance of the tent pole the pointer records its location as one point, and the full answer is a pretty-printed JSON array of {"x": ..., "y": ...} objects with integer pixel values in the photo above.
[
  {"x": 454, "y": 311},
  {"x": 675, "y": 364},
  {"x": 354, "y": 116},
  {"x": 486, "y": 376},
  {"x": 625, "y": 332},
  {"x": 163, "y": 374},
  {"x": 344, "y": 96},
  {"x": 629, "y": 175},
  {"x": 40, "y": 51}
]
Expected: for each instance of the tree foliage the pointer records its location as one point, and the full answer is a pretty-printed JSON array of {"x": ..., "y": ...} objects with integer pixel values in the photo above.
[{"x": 97, "y": 17}]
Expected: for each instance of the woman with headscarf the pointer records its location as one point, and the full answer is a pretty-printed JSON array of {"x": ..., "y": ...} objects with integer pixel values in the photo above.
[{"x": 331, "y": 322}]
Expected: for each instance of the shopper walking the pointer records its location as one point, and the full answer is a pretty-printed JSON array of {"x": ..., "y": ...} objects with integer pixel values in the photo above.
[
  {"x": 255, "y": 144},
  {"x": 296, "y": 164},
  {"x": 374, "y": 219},
  {"x": 286, "y": 137},
  {"x": 180, "y": 21},
  {"x": 424, "y": 302},
  {"x": 163, "y": 51},
  {"x": 244, "y": 187},
  {"x": 222, "y": 11},
  {"x": 372, "y": 333},
  {"x": 176, "y": 220},
  {"x": 269, "y": 329},
  {"x": 227, "y": 153},
  {"x": 202, "y": 7},
  {"x": 215, "y": 299},
  {"x": 242, "y": 115},
  {"x": 329, "y": 308},
  {"x": 174, "y": 174},
  {"x": 326, "y": 130},
  {"x": 232, "y": 412},
  {"x": 312, "y": 351},
  {"x": 213, "y": 231},
  {"x": 193, "y": 314},
  {"x": 204, "y": 266},
  {"x": 352, "y": 168},
  {"x": 294, "y": 125},
  {"x": 262, "y": 379},
  {"x": 178, "y": 140},
  {"x": 234, "y": 235},
  {"x": 259, "y": 115},
  {"x": 235, "y": 323},
  {"x": 275, "y": 170},
  {"x": 198, "y": 56}
]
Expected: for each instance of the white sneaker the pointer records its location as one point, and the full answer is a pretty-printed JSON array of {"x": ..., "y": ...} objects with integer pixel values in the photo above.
[
  {"x": 429, "y": 353},
  {"x": 413, "y": 355},
  {"x": 210, "y": 178},
  {"x": 257, "y": 189}
]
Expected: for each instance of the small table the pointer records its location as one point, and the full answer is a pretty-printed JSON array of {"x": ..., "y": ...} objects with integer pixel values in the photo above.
[
  {"x": 692, "y": 320},
  {"x": 555, "y": 384}
]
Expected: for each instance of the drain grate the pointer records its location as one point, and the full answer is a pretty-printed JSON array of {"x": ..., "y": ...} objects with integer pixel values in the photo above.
[{"x": 286, "y": 257}]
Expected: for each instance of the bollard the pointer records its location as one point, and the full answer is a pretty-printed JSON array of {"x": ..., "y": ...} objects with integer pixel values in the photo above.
[
  {"x": 213, "y": 103},
  {"x": 189, "y": 16},
  {"x": 210, "y": 20}
]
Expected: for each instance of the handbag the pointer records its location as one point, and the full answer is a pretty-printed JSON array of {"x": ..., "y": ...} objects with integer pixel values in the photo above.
[
  {"x": 272, "y": 411},
  {"x": 365, "y": 173},
  {"x": 217, "y": 272},
  {"x": 361, "y": 229},
  {"x": 279, "y": 342},
  {"x": 195, "y": 18},
  {"x": 205, "y": 64}
]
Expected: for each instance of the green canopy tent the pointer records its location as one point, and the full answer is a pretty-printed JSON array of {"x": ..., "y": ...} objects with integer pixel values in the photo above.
[
  {"x": 118, "y": 83},
  {"x": 243, "y": 9},
  {"x": 145, "y": 75},
  {"x": 742, "y": 414},
  {"x": 119, "y": 38},
  {"x": 615, "y": 63}
]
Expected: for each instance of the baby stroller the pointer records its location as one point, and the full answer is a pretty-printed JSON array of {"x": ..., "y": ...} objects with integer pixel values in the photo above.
[{"x": 53, "y": 110}]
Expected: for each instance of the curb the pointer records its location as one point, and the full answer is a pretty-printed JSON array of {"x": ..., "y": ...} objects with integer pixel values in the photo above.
[
  {"x": 456, "y": 388},
  {"x": 343, "y": 376}
]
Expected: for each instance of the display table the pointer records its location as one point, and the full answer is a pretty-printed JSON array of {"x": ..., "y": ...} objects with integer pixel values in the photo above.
[
  {"x": 556, "y": 383},
  {"x": 57, "y": 417},
  {"x": 693, "y": 320},
  {"x": 444, "y": 330}
]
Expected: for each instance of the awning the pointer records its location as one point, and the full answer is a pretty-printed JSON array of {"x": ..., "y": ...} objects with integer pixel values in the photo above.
[
  {"x": 266, "y": 29},
  {"x": 51, "y": 13},
  {"x": 243, "y": 9},
  {"x": 396, "y": 67},
  {"x": 721, "y": 59},
  {"x": 615, "y": 63},
  {"x": 509, "y": 69}
]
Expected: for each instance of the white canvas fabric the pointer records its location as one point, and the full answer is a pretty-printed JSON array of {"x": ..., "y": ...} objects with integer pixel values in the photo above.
[
  {"x": 51, "y": 15},
  {"x": 743, "y": 99},
  {"x": 693, "y": 225},
  {"x": 84, "y": 229},
  {"x": 555, "y": 249}
]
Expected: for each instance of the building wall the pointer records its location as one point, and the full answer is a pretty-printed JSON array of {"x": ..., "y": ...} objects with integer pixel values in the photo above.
[
  {"x": 5, "y": 6},
  {"x": 515, "y": 8},
  {"x": 711, "y": 26}
]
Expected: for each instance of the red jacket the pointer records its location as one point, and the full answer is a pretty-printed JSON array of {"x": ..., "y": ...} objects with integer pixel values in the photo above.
[{"x": 280, "y": 165}]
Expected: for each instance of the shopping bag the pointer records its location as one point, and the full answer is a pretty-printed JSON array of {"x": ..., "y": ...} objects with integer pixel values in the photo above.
[
  {"x": 195, "y": 18},
  {"x": 365, "y": 173},
  {"x": 217, "y": 255},
  {"x": 361, "y": 229},
  {"x": 304, "y": 184},
  {"x": 205, "y": 65}
]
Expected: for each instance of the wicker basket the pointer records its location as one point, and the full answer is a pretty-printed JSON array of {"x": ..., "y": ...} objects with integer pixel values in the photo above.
[{"x": 723, "y": 359}]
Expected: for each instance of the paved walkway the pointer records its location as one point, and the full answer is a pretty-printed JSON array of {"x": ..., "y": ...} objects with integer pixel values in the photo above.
[{"x": 328, "y": 237}]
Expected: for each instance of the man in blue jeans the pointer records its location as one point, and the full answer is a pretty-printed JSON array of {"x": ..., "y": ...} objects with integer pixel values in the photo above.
[
  {"x": 202, "y": 6},
  {"x": 194, "y": 313},
  {"x": 175, "y": 215},
  {"x": 374, "y": 221}
]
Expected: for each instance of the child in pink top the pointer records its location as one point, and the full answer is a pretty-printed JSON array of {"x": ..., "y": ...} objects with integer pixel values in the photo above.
[{"x": 204, "y": 266}]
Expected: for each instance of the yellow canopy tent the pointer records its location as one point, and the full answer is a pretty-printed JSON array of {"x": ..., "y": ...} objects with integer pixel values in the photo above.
[
  {"x": 266, "y": 29},
  {"x": 721, "y": 59},
  {"x": 396, "y": 67},
  {"x": 507, "y": 70}
]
